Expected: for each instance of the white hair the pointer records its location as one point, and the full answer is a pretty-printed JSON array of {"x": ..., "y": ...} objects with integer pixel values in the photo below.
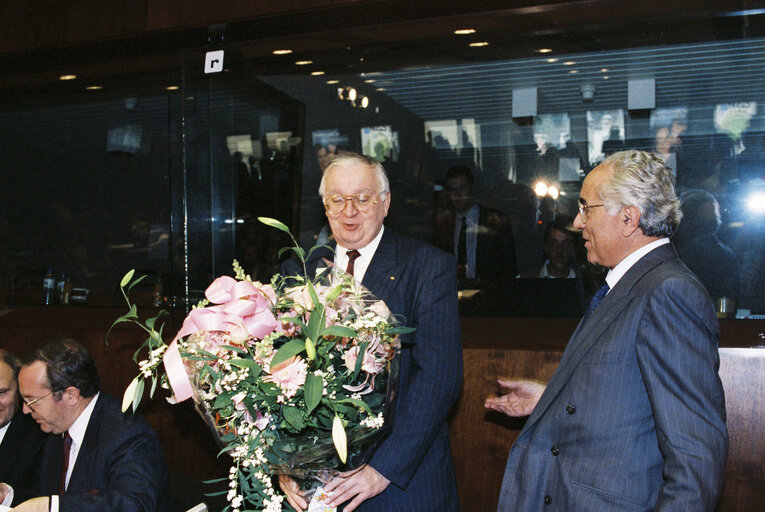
[
  {"x": 645, "y": 181},
  {"x": 348, "y": 156}
]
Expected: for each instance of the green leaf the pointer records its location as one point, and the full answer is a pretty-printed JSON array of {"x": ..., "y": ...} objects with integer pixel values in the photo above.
[
  {"x": 314, "y": 389},
  {"x": 294, "y": 417},
  {"x": 153, "y": 386},
  {"x": 138, "y": 280},
  {"x": 268, "y": 221},
  {"x": 358, "y": 403},
  {"x": 400, "y": 329},
  {"x": 360, "y": 359},
  {"x": 238, "y": 350},
  {"x": 289, "y": 349},
  {"x": 126, "y": 279},
  {"x": 245, "y": 363},
  {"x": 317, "y": 247},
  {"x": 339, "y": 330}
]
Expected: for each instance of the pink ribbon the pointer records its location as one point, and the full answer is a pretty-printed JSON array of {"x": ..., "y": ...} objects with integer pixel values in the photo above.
[{"x": 239, "y": 305}]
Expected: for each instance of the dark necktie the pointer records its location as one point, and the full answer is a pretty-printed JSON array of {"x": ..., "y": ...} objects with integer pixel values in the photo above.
[
  {"x": 462, "y": 245},
  {"x": 65, "y": 465},
  {"x": 595, "y": 301},
  {"x": 352, "y": 255}
]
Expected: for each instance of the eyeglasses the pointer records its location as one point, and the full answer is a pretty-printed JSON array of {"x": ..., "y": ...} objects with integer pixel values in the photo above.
[
  {"x": 583, "y": 210},
  {"x": 364, "y": 203},
  {"x": 30, "y": 404}
]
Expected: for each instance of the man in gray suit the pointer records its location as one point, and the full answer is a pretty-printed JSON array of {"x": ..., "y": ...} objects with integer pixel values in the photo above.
[{"x": 633, "y": 418}]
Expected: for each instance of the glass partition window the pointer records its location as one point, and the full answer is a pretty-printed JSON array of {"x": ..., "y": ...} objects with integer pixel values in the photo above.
[{"x": 171, "y": 181}]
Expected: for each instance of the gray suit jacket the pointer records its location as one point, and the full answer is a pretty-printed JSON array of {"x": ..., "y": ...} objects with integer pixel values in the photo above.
[
  {"x": 419, "y": 283},
  {"x": 634, "y": 417}
]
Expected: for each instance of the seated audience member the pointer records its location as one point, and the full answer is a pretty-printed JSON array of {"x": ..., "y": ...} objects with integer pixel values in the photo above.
[
  {"x": 480, "y": 238},
  {"x": 97, "y": 458},
  {"x": 698, "y": 246},
  {"x": 21, "y": 441},
  {"x": 559, "y": 249}
]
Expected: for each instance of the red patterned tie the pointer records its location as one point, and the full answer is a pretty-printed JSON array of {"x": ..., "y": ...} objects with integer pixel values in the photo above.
[
  {"x": 65, "y": 465},
  {"x": 352, "y": 255}
]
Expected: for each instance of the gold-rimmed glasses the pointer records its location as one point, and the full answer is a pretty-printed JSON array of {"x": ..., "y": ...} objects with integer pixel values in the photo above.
[
  {"x": 364, "y": 203},
  {"x": 32, "y": 402},
  {"x": 583, "y": 209}
]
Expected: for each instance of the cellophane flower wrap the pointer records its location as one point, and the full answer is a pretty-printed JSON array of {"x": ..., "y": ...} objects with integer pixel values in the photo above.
[{"x": 293, "y": 377}]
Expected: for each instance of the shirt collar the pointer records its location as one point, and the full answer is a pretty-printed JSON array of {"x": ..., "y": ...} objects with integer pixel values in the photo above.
[
  {"x": 616, "y": 273},
  {"x": 471, "y": 215},
  {"x": 80, "y": 425},
  {"x": 365, "y": 256},
  {"x": 4, "y": 429}
]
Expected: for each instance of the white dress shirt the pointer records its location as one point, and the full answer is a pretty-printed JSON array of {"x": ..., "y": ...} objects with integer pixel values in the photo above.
[
  {"x": 361, "y": 264},
  {"x": 77, "y": 433},
  {"x": 616, "y": 273}
]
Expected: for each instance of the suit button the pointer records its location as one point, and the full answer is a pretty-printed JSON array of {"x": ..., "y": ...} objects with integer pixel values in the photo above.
[
  {"x": 555, "y": 451},
  {"x": 548, "y": 499},
  {"x": 570, "y": 409}
]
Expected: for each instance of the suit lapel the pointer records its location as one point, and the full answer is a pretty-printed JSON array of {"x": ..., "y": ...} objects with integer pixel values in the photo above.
[
  {"x": 380, "y": 277},
  {"x": 9, "y": 446},
  {"x": 588, "y": 333},
  {"x": 81, "y": 478}
]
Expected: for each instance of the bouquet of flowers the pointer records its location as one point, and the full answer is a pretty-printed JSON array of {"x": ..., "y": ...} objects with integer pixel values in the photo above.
[{"x": 293, "y": 377}]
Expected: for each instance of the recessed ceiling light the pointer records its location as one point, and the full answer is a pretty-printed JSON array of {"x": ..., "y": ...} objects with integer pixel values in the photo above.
[
  {"x": 544, "y": 50},
  {"x": 282, "y": 52},
  {"x": 94, "y": 88},
  {"x": 317, "y": 73},
  {"x": 604, "y": 70},
  {"x": 606, "y": 77},
  {"x": 172, "y": 88},
  {"x": 370, "y": 81},
  {"x": 573, "y": 71},
  {"x": 569, "y": 63},
  {"x": 380, "y": 89},
  {"x": 67, "y": 77},
  {"x": 464, "y": 31},
  {"x": 479, "y": 43},
  {"x": 303, "y": 62},
  {"x": 333, "y": 82},
  {"x": 552, "y": 59}
]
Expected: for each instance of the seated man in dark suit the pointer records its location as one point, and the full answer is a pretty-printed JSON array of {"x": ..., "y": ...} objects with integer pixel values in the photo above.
[
  {"x": 21, "y": 441},
  {"x": 98, "y": 459},
  {"x": 480, "y": 238}
]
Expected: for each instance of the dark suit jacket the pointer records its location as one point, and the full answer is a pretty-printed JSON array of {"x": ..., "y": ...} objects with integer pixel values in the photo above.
[
  {"x": 120, "y": 466},
  {"x": 417, "y": 282},
  {"x": 495, "y": 249},
  {"x": 20, "y": 456},
  {"x": 634, "y": 416}
]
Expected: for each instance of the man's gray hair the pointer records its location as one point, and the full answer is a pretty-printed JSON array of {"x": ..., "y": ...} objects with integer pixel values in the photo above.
[
  {"x": 645, "y": 181},
  {"x": 349, "y": 156}
]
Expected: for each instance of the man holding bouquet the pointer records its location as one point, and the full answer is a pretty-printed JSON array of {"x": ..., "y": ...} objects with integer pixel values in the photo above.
[{"x": 411, "y": 469}]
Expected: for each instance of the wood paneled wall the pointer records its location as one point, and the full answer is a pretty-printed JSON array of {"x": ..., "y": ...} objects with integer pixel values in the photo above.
[{"x": 481, "y": 439}]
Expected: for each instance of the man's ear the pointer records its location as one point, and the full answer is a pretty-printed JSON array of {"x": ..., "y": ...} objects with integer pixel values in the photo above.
[
  {"x": 71, "y": 395},
  {"x": 630, "y": 219}
]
